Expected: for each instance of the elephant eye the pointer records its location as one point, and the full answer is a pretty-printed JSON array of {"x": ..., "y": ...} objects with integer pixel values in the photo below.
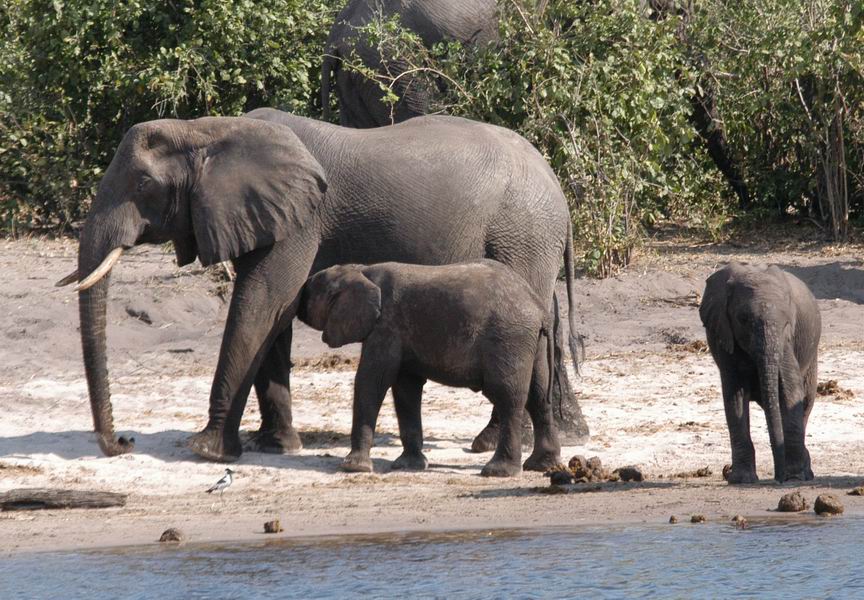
[{"x": 143, "y": 182}]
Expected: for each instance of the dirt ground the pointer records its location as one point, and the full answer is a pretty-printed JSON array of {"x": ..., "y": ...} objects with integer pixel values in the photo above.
[{"x": 649, "y": 390}]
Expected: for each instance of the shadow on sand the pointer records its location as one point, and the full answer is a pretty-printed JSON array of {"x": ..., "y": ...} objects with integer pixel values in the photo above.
[{"x": 170, "y": 446}]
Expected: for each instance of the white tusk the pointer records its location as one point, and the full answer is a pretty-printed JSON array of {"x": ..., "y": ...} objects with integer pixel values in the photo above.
[
  {"x": 70, "y": 278},
  {"x": 100, "y": 271}
]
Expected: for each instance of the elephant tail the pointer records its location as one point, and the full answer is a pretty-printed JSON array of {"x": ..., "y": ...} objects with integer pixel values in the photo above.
[
  {"x": 575, "y": 339},
  {"x": 328, "y": 69}
]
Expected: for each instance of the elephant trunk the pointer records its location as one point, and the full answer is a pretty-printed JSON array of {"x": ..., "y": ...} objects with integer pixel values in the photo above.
[
  {"x": 95, "y": 252},
  {"x": 769, "y": 382}
]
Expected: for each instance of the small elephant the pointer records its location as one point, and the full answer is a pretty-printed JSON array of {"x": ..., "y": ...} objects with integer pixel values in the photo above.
[
  {"x": 763, "y": 327},
  {"x": 475, "y": 324}
]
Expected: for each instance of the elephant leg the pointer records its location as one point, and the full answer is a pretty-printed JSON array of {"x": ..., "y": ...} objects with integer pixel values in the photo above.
[
  {"x": 571, "y": 422},
  {"x": 272, "y": 386},
  {"x": 736, "y": 404},
  {"x": 407, "y": 398},
  {"x": 487, "y": 440},
  {"x": 793, "y": 406},
  {"x": 376, "y": 373},
  {"x": 263, "y": 304},
  {"x": 510, "y": 402},
  {"x": 547, "y": 449}
]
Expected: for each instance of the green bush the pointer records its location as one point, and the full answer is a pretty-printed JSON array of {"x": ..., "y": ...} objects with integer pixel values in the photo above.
[
  {"x": 75, "y": 75},
  {"x": 606, "y": 89},
  {"x": 790, "y": 81}
]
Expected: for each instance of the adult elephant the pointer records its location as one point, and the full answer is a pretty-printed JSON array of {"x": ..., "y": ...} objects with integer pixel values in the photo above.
[
  {"x": 361, "y": 99},
  {"x": 283, "y": 196}
]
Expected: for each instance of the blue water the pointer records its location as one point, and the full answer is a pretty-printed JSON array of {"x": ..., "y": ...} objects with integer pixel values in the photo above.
[{"x": 813, "y": 559}]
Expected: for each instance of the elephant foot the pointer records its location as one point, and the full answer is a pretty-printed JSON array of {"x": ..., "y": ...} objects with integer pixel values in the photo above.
[
  {"x": 501, "y": 468},
  {"x": 410, "y": 462},
  {"x": 486, "y": 440},
  {"x": 112, "y": 447},
  {"x": 737, "y": 476},
  {"x": 800, "y": 475},
  {"x": 357, "y": 462},
  {"x": 277, "y": 442},
  {"x": 542, "y": 461},
  {"x": 213, "y": 445}
]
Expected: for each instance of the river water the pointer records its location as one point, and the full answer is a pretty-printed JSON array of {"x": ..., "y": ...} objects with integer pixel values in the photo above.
[{"x": 809, "y": 558}]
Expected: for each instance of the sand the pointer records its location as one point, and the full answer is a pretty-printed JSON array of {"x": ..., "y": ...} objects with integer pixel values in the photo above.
[{"x": 649, "y": 391}]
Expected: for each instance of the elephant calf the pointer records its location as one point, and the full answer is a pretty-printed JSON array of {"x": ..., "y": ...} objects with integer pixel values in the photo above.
[
  {"x": 475, "y": 324},
  {"x": 763, "y": 328}
]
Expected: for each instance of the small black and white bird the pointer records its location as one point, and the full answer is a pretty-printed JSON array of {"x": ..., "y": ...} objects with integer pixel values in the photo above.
[{"x": 223, "y": 483}]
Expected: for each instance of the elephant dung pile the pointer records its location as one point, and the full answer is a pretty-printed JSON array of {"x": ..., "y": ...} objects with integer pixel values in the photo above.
[
  {"x": 273, "y": 526},
  {"x": 832, "y": 388},
  {"x": 828, "y": 504},
  {"x": 825, "y": 504},
  {"x": 591, "y": 470},
  {"x": 792, "y": 502},
  {"x": 172, "y": 534}
]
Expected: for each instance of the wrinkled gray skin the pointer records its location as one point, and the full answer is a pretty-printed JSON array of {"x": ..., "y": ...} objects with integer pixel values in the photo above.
[
  {"x": 437, "y": 190},
  {"x": 763, "y": 327},
  {"x": 473, "y": 324},
  {"x": 360, "y": 99}
]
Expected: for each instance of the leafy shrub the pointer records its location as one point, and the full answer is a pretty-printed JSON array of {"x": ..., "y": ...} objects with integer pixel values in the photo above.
[
  {"x": 606, "y": 89},
  {"x": 75, "y": 75},
  {"x": 790, "y": 80}
]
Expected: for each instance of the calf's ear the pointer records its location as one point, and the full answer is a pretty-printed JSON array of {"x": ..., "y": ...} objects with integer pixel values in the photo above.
[
  {"x": 713, "y": 309},
  {"x": 355, "y": 309}
]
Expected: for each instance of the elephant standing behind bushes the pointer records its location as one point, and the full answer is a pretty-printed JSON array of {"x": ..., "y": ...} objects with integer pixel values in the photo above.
[
  {"x": 763, "y": 327},
  {"x": 474, "y": 324},
  {"x": 284, "y": 196},
  {"x": 361, "y": 99}
]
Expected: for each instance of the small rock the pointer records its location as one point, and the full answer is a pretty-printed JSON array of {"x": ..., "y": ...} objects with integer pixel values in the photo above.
[
  {"x": 631, "y": 473},
  {"x": 792, "y": 502},
  {"x": 858, "y": 491},
  {"x": 172, "y": 534},
  {"x": 561, "y": 478},
  {"x": 698, "y": 519},
  {"x": 828, "y": 504},
  {"x": 727, "y": 469},
  {"x": 273, "y": 527},
  {"x": 673, "y": 519}
]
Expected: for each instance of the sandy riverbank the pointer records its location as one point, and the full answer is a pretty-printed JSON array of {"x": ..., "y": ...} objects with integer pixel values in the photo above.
[{"x": 650, "y": 396}]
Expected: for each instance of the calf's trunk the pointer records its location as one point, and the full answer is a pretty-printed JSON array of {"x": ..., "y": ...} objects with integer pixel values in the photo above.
[{"x": 769, "y": 381}]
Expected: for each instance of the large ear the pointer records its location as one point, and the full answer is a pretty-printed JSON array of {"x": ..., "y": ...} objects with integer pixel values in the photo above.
[
  {"x": 355, "y": 309},
  {"x": 254, "y": 185},
  {"x": 712, "y": 309}
]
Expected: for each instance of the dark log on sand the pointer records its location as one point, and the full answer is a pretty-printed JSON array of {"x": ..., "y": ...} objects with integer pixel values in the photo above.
[{"x": 46, "y": 498}]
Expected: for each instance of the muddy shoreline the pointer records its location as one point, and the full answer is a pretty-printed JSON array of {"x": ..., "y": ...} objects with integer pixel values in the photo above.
[{"x": 649, "y": 391}]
